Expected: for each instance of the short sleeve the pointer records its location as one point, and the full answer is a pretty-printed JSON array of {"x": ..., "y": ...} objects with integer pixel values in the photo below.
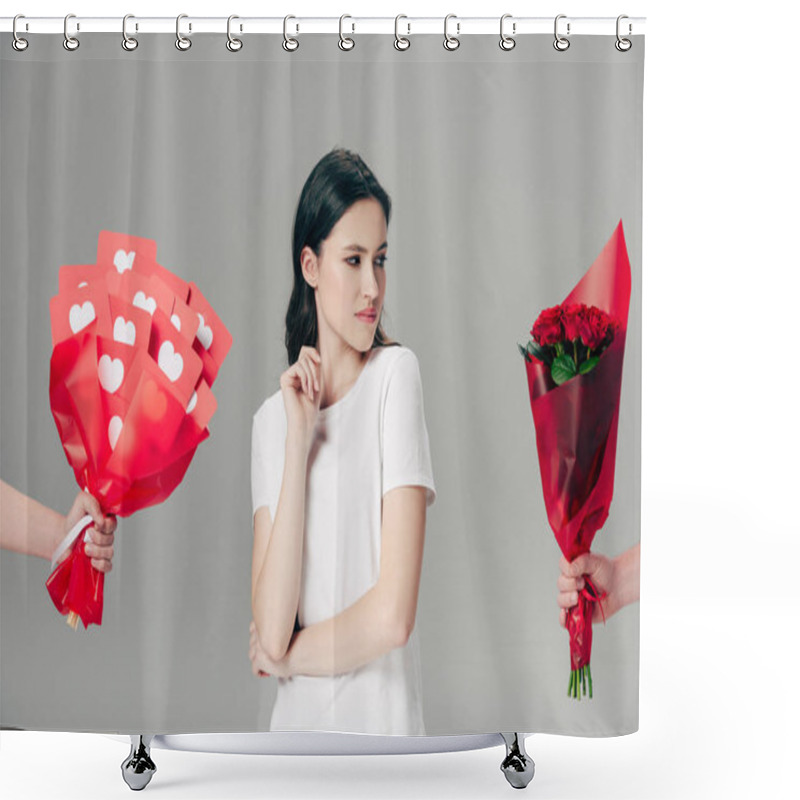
[
  {"x": 258, "y": 472},
  {"x": 406, "y": 449}
]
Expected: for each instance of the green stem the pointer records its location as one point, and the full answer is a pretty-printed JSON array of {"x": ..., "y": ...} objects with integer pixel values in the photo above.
[
  {"x": 584, "y": 678},
  {"x": 589, "y": 672},
  {"x": 571, "y": 678}
]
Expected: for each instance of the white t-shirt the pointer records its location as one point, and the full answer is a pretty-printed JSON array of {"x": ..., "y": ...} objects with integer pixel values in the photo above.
[{"x": 370, "y": 441}]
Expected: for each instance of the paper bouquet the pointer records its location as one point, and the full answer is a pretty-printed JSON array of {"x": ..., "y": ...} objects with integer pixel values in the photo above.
[
  {"x": 574, "y": 368},
  {"x": 135, "y": 352}
]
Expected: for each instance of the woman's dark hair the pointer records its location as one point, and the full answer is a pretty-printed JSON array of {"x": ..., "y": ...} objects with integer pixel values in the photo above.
[{"x": 339, "y": 179}]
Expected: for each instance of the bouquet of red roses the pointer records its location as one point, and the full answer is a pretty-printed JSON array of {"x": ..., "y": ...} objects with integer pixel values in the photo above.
[
  {"x": 135, "y": 351},
  {"x": 574, "y": 368}
]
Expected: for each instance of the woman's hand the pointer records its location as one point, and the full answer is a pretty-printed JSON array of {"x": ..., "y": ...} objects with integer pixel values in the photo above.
[
  {"x": 603, "y": 574},
  {"x": 100, "y": 549},
  {"x": 263, "y": 666},
  {"x": 301, "y": 386}
]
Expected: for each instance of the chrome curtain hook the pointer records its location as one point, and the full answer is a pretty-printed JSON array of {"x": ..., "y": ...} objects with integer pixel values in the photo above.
[
  {"x": 290, "y": 44},
  {"x": 129, "y": 43},
  {"x": 400, "y": 42},
  {"x": 181, "y": 41},
  {"x": 623, "y": 45},
  {"x": 70, "y": 42},
  {"x": 18, "y": 43},
  {"x": 233, "y": 44},
  {"x": 507, "y": 42},
  {"x": 451, "y": 42},
  {"x": 561, "y": 43},
  {"x": 345, "y": 42}
]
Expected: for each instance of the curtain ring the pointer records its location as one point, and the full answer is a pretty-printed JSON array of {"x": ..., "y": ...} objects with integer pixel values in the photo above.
[
  {"x": 561, "y": 43},
  {"x": 507, "y": 42},
  {"x": 400, "y": 42},
  {"x": 70, "y": 42},
  {"x": 129, "y": 43},
  {"x": 18, "y": 43},
  {"x": 451, "y": 42},
  {"x": 345, "y": 42},
  {"x": 233, "y": 44},
  {"x": 290, "y": 44},
  {"x": 623, "y": 45},
  {"x": 182, "y": 42}
]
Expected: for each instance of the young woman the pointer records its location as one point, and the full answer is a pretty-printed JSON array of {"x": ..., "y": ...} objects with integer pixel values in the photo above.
[{"x": 341, "y": 479}]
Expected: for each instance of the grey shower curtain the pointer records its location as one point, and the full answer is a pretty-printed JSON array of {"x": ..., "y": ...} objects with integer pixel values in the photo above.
[{"x": 512, "y": 177}]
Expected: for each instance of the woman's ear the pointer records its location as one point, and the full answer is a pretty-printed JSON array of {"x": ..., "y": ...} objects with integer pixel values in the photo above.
[{"x": 310, "y": 266}]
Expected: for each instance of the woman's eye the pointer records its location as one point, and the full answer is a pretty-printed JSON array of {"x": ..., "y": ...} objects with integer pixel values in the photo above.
[{"x": 355, "y": 261}]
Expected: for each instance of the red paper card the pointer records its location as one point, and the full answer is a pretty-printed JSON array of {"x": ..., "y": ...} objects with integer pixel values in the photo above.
[
  {"x": 150, "y": 268},
  {"x": 143, "y": 292},
  {"x": 74, "y": 311},
  {"x": 130, "y": 325},
  {"x": 213, "y": 339},
  {"x": 78, "y": 276},
  {"x": 114, "y": 363},
  {"x": 175, "y": 358},
  {"x": 202, "y": 405},
  {"x": 185, "y": 320},
  {"x": 119, "y": 251}
]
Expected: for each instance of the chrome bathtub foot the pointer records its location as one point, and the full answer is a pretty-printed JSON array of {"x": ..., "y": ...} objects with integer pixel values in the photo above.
[
  {"x": 138, "y": 768},
  {"x": 517, "y": 766}
]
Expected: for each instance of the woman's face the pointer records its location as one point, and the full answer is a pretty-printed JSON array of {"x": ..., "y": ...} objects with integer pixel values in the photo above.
[{"x": 350, "y": 275}]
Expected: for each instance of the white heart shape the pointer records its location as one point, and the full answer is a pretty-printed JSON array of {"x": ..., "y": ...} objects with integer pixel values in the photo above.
[
  {"x": 111, "y": 372},
  {"x": 176, "y": 321},
  {"x": 82, "y": 284},
  {"x": 123, "y": 261},
  {"x": 81, "y": 316},
  {"x": 204, "y": 333},
  {"x": 192, "y": 403},
  {"x": 124, "y": 331},
  {"x": 141, "y": 300},
  {"x": 170, "y": 362},
  {"x": 114, "y": 430}
]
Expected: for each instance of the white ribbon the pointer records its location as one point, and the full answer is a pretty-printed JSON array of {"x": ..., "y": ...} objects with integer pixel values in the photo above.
[{"x": 70, "y": 538}]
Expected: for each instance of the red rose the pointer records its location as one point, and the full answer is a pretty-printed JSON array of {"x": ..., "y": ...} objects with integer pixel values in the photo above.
[
  {"x": 571, "y": 319},
  {"x": 547, "y": 328},
  {"x": 593, "y": 327}
]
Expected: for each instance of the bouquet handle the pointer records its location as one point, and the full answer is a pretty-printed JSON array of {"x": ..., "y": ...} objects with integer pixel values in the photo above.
[
  {"x": 75, "y": 586},
  {"x": 579, "y": 625},
  {"x": 67, "y": 541}
]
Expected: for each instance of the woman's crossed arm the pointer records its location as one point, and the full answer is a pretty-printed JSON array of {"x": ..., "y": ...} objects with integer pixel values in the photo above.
[{"x": 380, "y": 620}]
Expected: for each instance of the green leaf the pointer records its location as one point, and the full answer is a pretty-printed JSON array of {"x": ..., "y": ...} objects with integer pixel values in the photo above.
[
  {"x": 588, "y": 365},
  {"x": 563, "y": 368},
  {"x": 537, "y": 351}
]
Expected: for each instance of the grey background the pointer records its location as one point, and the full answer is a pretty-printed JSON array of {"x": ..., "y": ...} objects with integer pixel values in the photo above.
[{"x": 508, "y": 172}]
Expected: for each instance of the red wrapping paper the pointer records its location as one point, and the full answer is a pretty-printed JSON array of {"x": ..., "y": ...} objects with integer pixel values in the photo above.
[
  {"x": 576, "y": 438},
  {"x": 129, "y": 392}
]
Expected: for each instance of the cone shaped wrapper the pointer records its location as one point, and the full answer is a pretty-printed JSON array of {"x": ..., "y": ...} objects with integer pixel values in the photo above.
[{"x": 576, "y": 432}]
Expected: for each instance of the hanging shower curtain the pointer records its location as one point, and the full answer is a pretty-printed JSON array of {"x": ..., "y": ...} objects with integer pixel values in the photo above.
[{"x": 472, "y": 439}]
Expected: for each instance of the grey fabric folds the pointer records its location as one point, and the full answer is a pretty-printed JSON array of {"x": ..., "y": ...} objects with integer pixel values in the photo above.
[{"x": 508, "y": 172}]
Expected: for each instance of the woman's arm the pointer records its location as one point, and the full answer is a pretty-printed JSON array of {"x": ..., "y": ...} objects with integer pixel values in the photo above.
[
  {"x": 278, "y": 554},
  {"x": 383, "y": 618}
]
